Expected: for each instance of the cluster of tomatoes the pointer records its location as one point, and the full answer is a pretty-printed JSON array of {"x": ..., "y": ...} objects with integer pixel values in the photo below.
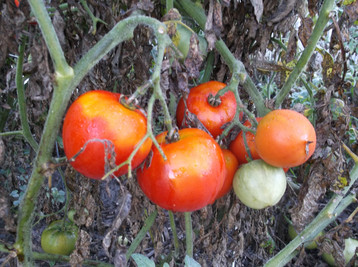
[{"x": 100, "y": 132}]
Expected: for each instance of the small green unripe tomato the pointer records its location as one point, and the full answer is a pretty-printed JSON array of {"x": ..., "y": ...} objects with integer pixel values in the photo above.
[
  {"x": 259, "y": 185},
  {"x": 59, "y": 237}
]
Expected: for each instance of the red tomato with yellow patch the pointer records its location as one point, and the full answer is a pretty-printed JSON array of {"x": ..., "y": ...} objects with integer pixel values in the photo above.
[
  {"x": 100, "y": 130},
  {"x": 231, "y": 166},
  {"x": 192, "y": 175},
  {"x": 237, "y": 146},
  {"x": 212, "y": 117},
  {"x": 285, "y": 138}
]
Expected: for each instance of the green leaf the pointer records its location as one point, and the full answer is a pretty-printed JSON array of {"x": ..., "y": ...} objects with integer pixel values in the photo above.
[
  {"x": 142, "y": 260},
  {"x": 190, "y": 262}
]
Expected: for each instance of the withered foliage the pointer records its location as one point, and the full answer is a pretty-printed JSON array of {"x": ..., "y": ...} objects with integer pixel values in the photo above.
[{"x": 111, "y": 211}]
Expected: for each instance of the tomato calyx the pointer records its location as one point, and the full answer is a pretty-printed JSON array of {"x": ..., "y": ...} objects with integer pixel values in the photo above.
[
  {"x": 213, "y": 100},
  {"x": 127, "y": 103},
  {"x": 172, "y": 136}
]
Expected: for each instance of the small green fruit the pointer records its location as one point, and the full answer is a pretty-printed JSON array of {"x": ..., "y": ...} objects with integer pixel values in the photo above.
[{"x": 259, "y": 185}]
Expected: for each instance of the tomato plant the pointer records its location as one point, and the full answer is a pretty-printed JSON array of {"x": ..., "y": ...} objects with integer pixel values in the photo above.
[
  {"x": 285, "y": 138},
  {"x": 106, "y": 131},
  {"x": 231, "y": 165},
  {"x": 59, "y": 237},
  {"x": 192, "y": 175},
  {"x": 211, "y": 116},
  {"x": 259, "y": 185},
  {"x": 237, "y": 146}
]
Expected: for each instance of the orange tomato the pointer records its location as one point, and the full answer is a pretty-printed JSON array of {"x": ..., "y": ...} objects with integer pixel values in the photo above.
[
  {"x": 192, "y": 175},
  {"x": 213, "y": 118},
  {"x": 285, "y": 138},
  {"x": 231, "y": 166},
  {"x": 100, "y": 125},
  {"x": 237, "y": 146}
]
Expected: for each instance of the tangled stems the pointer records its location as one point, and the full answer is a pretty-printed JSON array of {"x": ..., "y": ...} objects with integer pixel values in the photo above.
[{"x": 67, "y": 79}]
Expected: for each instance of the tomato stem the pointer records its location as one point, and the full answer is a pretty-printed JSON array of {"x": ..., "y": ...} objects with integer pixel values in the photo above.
[
  {"x": 175, "y": 234},
  {"x": 317, "y": 32},
  {"x": 148, "y": 223},
  {"x": 188, "y": 234}
]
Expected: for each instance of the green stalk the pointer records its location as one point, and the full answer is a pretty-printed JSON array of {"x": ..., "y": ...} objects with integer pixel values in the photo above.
[
  {"x": 188, "y": 234},
  {"x": 331, "y": 211},
  {"x": 142, "y": 233},
  {"x": 169, "y": 5},
  {"x": 66, "y": 81},
  {"x": 21, "y": 97},
  {"x": 322, "y": 21},
  {"x": 175, "y": 234},
  {"x": 43, "y": 19}
]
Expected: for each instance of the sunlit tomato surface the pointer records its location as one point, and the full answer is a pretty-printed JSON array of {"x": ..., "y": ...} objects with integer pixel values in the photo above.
[
  {"x": 237, "y": 146},
  {"x": 192, "y": 175},
  {"x": 59, "y": 237},
  {"x": 212, "y": 117},
  {"x": 99, "y": 124},
  {"x": 231, "y": 165},
  {"x": 285, "y": 138}
]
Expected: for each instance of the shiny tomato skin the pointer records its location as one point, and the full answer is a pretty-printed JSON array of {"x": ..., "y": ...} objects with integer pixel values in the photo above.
[
  {"x": 231, "y": 166},
  {"x": 98, "y": 115},
  {"x": 59, "y": 238},
  {"x": 285, "y": 138},
  {"x": 237, "y": 146},
  {"x": 191, "y": 176},
  {"x": 213, "y": 118}
]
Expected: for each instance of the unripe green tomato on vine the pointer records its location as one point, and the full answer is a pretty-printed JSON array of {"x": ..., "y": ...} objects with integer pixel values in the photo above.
[
  {"x": 259, "y": 185},
  {"x": 59, "y": 237}
]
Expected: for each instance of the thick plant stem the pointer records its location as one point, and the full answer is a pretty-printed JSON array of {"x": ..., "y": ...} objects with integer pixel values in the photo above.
[
  {"x": 323, "y": 19},
  {"x": 21, "y": 97},
  {"x": 66, "y": 81},
  {"x": 188, "y": 234},
  {"x": 175, "y": 234},
  {"x": 331, "y": 211},
  {"x": 52, "y": 42}
]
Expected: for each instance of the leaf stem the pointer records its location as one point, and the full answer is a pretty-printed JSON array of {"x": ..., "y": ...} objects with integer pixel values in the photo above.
[
  {"x": 323, "y": 19},
  {"x": 188, "y": 234},
  {"x": 175, "y": 234},
  {"x": 21, "y": 97},
  {"x": 148, "y": 223}
]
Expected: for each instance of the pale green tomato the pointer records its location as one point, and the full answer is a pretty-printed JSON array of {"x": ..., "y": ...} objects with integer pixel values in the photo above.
[{"x": 259, "y": 185}]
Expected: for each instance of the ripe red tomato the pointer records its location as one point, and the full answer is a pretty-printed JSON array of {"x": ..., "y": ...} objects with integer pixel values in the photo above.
[
  {"x": 213, "y": 118},
  {"x": 192, "y": 175},
  {"x": 231, "y": 166},
  {"x": 285, "y": 138},
  {"x": 99, "y": 117},
  {"x": 59, "y": 237},
  {"x": 237, "y": 146}
]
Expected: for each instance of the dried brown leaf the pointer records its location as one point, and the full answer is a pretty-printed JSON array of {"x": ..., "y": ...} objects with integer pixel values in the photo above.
[
  {"x": 305, "y": 30},
  {"x": 82, "y": 250}
]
